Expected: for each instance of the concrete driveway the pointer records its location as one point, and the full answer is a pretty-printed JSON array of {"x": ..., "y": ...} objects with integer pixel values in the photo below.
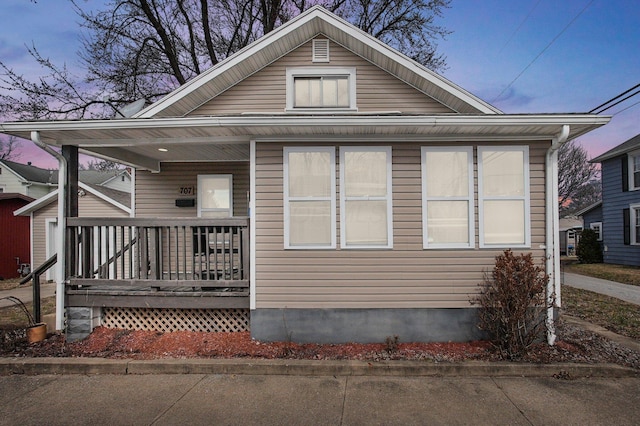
[{"x": 628, "y": 293}]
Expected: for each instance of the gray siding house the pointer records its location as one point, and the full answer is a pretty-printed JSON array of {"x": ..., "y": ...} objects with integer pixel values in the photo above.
[
  {"x": 316, "y": 186},
  {"x": 621, "y": 203}
]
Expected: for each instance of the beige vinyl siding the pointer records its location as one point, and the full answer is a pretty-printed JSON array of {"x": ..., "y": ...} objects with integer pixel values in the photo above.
[
  {"x": 405, "y": 277},
  {"x": 88, "y": 206},
  {"x": 156, "y": 193},
  {"x": 376, "y": 90}
]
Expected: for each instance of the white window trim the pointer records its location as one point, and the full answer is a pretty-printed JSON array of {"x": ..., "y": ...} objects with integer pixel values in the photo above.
[
  {"x": 388, "y": 197},
  {"x": 469, "y": 198},
  {"x": 292, "y": 73},
  {"x": 634, "y": 211},
  {"x": 526, "y": 197},
  {"x": 332, "y": 198},
  {"x": 630, "y": 170},
  {"x": 199, "y": 193},
  {"x": 593, "y": 226}
]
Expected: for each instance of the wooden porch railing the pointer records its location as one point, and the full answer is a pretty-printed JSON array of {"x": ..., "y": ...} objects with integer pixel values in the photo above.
[{"x": 206, "y": 254}]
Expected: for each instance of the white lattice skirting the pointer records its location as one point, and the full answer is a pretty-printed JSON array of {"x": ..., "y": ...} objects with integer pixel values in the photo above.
[{"x": 165, "y": 320}]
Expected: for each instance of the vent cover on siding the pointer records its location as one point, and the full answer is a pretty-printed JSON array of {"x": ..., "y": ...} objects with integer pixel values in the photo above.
[{"x": 320, "y": 50}]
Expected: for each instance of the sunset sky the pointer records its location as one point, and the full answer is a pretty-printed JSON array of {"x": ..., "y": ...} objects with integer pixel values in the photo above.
[{"x": 523, "y": 56}]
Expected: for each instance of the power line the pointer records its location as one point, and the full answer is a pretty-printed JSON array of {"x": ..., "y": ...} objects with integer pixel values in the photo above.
[
  {"x": 624, "y": 109},
  {"x": 519, "y": 26},
  {"x": 613, "y": 99},
  {"x": 544, "y": 50}
]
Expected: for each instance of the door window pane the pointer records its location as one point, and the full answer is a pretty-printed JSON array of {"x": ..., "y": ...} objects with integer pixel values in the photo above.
[{"x": 215, "y": 195}]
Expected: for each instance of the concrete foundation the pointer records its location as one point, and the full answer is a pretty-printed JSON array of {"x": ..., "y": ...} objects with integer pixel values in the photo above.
[
  {"x": 81, "y": 322},
  {"x": 365, "y": 325}
]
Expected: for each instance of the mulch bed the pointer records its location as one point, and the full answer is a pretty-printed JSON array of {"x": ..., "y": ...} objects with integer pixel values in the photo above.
[{"x": 574, "y": 345}]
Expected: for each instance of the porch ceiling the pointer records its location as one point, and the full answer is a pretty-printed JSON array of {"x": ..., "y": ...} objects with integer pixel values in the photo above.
[{"x": 226, "y": 138}]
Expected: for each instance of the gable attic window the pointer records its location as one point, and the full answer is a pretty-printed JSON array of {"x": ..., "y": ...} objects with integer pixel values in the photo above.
[{"x": 317, "y": 89}]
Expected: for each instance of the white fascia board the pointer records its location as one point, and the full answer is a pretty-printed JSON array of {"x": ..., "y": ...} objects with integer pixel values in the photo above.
[
  {"x": 307, "y": 120},
  {"x": 104, "y": 197},
  {"x": 245, "y": 53},
  {"x": 293, "y": 25},
  {"x": 37, "y": 204}
]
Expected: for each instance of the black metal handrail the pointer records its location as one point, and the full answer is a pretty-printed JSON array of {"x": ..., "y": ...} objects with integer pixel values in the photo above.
[{"x": 35, "y": 274}]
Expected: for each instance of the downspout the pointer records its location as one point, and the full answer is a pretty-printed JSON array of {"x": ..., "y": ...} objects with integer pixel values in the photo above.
[
  {"x": 552, "y": 224},
  {"x": 62, "y": 224}
]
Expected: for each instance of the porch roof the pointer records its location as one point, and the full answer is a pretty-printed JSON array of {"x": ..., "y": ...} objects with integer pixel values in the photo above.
[{"x": 147, "y": 142}]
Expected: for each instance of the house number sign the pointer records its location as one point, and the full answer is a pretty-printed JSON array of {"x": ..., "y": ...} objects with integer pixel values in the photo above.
[{"x": 187, "y": 190}]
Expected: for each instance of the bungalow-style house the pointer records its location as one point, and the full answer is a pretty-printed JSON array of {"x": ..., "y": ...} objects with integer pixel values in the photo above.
[
  {"x": 316, "y": 186},
  {"x": 14, "y": 236},
  {"x": 619, "y": 213}
]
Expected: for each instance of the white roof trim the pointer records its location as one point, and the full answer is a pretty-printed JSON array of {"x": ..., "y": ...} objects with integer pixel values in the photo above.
[
  {"x": 316, "y": 12},
  {"x": 53, "y": 196}
]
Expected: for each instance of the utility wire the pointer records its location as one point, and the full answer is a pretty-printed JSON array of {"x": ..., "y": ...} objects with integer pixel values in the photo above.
[
  {"x": 544, "y": 50},
  {"x": 613, "y": 99},
  {"x": 519, "y": 26},
  {"x": 624, "y": 109}
]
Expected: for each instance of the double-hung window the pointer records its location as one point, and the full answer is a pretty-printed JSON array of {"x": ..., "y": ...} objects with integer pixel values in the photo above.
[
  {"x": 503, "y": 196},
  {"x": 321, "y": 89},
  {"x": 309, "y": 197},
  {"x": 447, "y": 197},
  {"x": 365, "y": 197},
  {"x": 634, "y": 170},
  {"x": 634, "y": 225},
  {"x": 597, "y": 228}
]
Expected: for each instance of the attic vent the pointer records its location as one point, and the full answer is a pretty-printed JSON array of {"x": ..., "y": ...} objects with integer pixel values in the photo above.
[{"x": 320, "y": 50}]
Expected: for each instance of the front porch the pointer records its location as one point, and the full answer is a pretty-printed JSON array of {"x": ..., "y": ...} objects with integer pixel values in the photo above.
[{"x": 182, "y": 263}]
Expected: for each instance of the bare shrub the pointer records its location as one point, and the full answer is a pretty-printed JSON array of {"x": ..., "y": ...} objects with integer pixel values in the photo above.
[{"x": 512, "y": 304}]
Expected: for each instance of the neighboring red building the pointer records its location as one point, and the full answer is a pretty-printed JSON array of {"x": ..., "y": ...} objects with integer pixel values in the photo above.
[{"x": 14, "y": 235}]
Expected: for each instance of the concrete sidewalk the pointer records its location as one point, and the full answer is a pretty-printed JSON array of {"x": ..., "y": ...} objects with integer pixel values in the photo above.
[
  {"x": 25, "y": 293},
  {"x": 628, "y": 293},
  {"x": 228, "y": 399}
]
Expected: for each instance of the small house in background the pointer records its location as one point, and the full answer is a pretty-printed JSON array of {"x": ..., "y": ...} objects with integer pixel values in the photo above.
[
  {"x": 26, "y": 179},
  {"x": 618, "y": 216},
  {"x": 15, "y": 256},
  {"x": 316, "y": 186},
  {"x": 93, "y": 201},
  {"x": 570, "y": 228}
]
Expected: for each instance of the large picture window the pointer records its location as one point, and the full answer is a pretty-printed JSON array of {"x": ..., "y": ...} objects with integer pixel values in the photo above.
[
  {"x": 310, "y": 197},
  {"x": 503, "y": 196},
  {"x": 365, "y": 197},
  {"x": 447, "y": 197},
  {"x": 215, "y": 196}
]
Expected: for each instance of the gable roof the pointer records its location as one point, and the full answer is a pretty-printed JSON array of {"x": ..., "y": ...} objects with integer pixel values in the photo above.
[
  {"x": 119, "y": 199},
  {"x": 29, "y": 173},
  {"x": 15, "y": 196},
  {"x": 289, "y": 36},
  {"x": 588, "y": 208},
  {"x": 628, "y": 146}
]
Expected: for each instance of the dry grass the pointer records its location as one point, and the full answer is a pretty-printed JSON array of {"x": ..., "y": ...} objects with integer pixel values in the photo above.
[
  {"x": 611, "y": 313},
  {"x": 618, "y": 273},
  {"x": 12, "y": 316},
  {"x": 12, "y": 283}
]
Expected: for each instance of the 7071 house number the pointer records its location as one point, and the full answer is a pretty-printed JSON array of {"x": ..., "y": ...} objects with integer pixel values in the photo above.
[{"x": 187, "y": 190}]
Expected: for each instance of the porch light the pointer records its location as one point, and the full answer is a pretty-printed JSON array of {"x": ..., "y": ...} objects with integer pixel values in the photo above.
[{"x": 163, "y": 149}]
